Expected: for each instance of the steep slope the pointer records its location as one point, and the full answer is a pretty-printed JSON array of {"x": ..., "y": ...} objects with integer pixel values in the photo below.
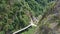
[
  {"x": 15, "y": 14},
  {"x": 51, "y": 21}
]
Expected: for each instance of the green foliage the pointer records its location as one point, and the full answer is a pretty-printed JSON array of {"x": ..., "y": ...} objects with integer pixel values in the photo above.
[
  {"x": 13, "y": 13},
  {"x": 2, "y": 32}
]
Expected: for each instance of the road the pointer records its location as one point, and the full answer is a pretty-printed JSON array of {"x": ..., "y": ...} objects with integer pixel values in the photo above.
[{"x": 31, "y": 24}]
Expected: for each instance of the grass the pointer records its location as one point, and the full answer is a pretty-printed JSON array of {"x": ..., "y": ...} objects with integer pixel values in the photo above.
[{"x": 30, "y": 31}]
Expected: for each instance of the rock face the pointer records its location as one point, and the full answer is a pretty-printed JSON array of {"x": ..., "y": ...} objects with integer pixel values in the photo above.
[{"x": 53, "y": 20}]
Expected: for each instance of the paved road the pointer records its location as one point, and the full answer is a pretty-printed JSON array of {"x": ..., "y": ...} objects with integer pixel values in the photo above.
[{"x": 31, "y": 24}]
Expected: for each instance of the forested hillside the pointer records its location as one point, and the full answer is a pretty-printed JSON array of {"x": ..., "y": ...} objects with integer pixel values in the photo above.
[
  {"x": 15, "y": 14},
  {"x": 50, "y": 24}
]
